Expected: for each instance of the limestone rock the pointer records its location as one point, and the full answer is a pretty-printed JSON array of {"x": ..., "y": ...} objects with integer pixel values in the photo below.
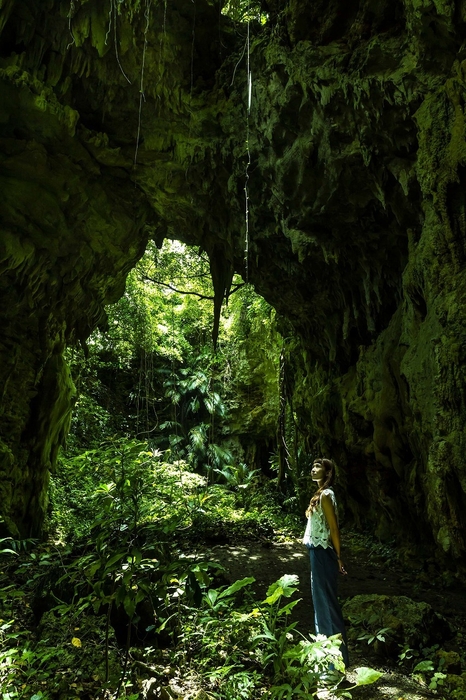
[
  {"x": 409, "y": 623},
  {"x": 449, "y": 661}
]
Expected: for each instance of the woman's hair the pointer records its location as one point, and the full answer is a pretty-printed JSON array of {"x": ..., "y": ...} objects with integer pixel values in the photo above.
[{"x": 329, "y": 466}]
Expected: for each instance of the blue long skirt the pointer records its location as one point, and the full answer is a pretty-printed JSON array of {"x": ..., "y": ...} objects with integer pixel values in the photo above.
[{"x": 324, "y": 584}]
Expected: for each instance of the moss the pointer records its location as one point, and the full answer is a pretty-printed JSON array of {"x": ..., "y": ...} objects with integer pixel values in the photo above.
[
  {"x": 411, "y": 624},
  {"x": 81, "y": 26},
  {"x": 39, "y": 97},
  {"x": 450, "y": 661},
  {"x": 100, "y": 29}
]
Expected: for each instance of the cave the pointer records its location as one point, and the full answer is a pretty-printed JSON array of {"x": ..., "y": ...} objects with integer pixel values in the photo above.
[{"x": 123, "y": 122}]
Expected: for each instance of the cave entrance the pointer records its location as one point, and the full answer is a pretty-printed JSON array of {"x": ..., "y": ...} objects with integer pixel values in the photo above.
[{"x": 153, "y": 373}]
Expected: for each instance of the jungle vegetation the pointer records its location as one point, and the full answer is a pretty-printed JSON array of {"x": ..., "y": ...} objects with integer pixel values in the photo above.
[
  {"x": 160, "y": 458},
  {"x": 119, "y": 599},
  {"x": 178, "y": 442}
]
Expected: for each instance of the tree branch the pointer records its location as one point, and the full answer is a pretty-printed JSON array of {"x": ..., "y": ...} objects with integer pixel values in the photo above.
[
  {"x": 235, "y": 288},
  {"x": 145, "y": 278},
  {"x": 179, "y": 291}
]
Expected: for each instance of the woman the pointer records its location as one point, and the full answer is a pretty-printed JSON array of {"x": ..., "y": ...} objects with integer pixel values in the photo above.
[{"x": 322, "y": 537}]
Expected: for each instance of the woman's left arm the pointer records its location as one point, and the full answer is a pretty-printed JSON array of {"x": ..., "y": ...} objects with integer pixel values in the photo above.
[{"x": 329, "y": 512}]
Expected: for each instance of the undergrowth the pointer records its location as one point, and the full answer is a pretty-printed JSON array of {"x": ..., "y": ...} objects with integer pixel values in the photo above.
[{"x": 112, "y": 605}]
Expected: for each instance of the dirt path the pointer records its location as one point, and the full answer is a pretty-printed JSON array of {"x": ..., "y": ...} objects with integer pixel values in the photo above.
[{"x": 268, "y": 561}]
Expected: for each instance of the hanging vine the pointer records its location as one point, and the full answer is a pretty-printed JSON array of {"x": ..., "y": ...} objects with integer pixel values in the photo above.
[
  {"x": 248, "y": 153},
  {"x": 112, "y": 21},
  {"x": 141, "y": 83}
]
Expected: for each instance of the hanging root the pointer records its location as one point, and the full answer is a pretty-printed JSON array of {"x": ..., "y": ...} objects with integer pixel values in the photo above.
[
  {"x": 141, "y": 85},
  {"x": 113, "y": 18}
]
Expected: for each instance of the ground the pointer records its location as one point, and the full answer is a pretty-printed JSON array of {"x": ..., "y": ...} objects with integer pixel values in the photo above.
[{"x": 368, "y": 573}]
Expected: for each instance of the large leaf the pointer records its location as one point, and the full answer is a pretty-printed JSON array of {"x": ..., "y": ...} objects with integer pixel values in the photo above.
[
  {"x": 202, "y": 576},
  {"x": 129, "y": 604},
  {"x": 366, "y": 676},
  {"x": 236, "y": 586},
  {"x": 113, "y": 560},
  {"x": 426, "y": 665},
  {"x": 267, "y": 634},
  {"x": 91, "y": 570},
  {"x": 161, "y": 627},
  {"x": 137, "y": 555},
  {"x": 212, "y": 595},
  {"x": 120, "y": 594},
  {"x": 285, "y": 586},
  {"x": 288, "y": 607}
]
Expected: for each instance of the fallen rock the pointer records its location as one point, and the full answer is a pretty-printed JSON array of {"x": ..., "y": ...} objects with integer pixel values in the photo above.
[
  {"x": 457, "y": 686},
  {"x": 449, "y": 661},
  {"x": 407, "y": 623}
]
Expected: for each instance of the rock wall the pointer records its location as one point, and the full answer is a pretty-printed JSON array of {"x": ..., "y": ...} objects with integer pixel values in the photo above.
[
  {"x": 107, "y": 137},
  {"x": 124, "y": 120},
  {"x": 358, "y": 185}
]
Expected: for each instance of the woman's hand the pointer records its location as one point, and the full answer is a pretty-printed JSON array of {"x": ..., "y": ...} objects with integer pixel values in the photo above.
[{"x": 341, "y": 567}]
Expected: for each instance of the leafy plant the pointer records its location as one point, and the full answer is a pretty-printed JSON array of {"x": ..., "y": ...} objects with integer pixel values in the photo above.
[
  {"x": 238, "y": 475},
  {"x": 276, "y": 633},
  {"x": 379, "y": 635},
  {"x": 241, "y": 479},
  {"x": 428, "y": 670},
  {"x": 257, "y": 646}
]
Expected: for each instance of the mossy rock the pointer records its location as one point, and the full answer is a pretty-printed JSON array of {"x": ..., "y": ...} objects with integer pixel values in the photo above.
[
  {"x": 457, "y": 681},
  {"x": 456, "y": 684},
  {"x": 449, "y": 661},
  {"x": 409, "y": 623}
]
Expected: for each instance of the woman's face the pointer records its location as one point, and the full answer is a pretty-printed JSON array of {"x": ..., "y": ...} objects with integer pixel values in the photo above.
[{"x": 318, "y": 472}]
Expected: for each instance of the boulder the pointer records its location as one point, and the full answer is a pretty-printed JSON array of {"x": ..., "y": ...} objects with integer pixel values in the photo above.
[{"x": 409, "y": 623}]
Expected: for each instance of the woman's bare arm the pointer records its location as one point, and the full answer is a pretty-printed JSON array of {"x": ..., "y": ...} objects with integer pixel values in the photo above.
[{"x": 329, "y": 512}]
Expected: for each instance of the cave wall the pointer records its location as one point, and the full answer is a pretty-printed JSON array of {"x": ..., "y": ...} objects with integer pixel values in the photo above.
[
  {"x": 68, "y": 240},
  {"x": 107, "y": 133},
  {"x": 360, "y": 149},
  {"x": 70, "y": 232},
  {"x": 119, "y": 124}
]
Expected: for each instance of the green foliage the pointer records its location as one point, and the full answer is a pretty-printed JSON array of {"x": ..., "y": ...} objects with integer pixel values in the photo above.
[
  {"x": 257, "y": 645},
  {"x": 429, "y": 669},
  {"x": 125, "y": 482},
  {"x": 239, "y": 475},
  {"x": 124, "y": 564},
  {"x": 379, "y": 635},
  {"x": 113, "y": 484},
  {"x": 154, "y": 373},
  {"x": 154, "y": 334},
  {"x": 244, "y": 10},
  {"x": 367, "y": 676},
  {"x": 125, "y": 582},
  {"x": 373, "y": 549},
  {"x": 242, "y": 480}
]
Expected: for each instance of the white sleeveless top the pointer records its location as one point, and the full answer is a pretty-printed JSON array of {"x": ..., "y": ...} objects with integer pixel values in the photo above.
[{"x": 317, "y": 531}]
